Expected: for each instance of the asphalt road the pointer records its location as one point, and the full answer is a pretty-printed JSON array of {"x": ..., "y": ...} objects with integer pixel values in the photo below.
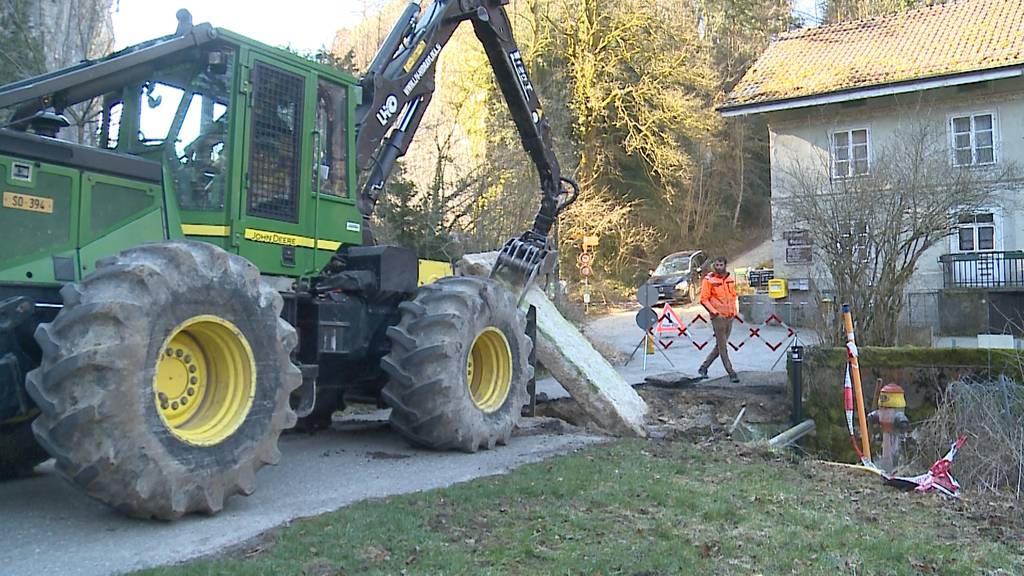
[
  {"x": 755, "y": 353},
  {"x": 47, "y": 527},
  {"x": 619, "y": 332}
]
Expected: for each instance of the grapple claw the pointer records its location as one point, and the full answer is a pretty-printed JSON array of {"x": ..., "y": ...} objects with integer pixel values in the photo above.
[{"x": 522, "y": 260}]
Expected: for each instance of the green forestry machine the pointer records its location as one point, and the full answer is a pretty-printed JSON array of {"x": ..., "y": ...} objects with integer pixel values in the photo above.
[{"x": 175, "y": 296}]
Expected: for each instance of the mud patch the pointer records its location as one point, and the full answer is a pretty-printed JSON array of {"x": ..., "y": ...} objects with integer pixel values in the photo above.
[
  {"x": 533, "y": 426},
  {"x": 377, "y": 455}
]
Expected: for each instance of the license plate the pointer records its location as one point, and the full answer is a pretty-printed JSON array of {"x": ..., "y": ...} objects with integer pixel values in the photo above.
[{"x": 28, "y": 203}]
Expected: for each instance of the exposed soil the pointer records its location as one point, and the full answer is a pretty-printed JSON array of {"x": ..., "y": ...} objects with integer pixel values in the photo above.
[{"x": 679, "y": 405}]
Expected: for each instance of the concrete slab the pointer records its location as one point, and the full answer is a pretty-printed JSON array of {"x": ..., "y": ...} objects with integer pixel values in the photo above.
[
  {"x": 571, "y": 359},
  {"x": 605, "y": 395}
]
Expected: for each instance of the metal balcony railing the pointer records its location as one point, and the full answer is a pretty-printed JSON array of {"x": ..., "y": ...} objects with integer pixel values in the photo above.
[{"x": 983, "y": 270}]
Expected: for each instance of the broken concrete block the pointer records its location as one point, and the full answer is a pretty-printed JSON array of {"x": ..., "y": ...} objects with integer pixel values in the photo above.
[{"x": 595, "y": 385}]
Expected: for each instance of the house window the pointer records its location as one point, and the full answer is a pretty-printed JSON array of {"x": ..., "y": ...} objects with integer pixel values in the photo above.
[
  {"x": 855, "y": 237},
  {"x": 850, "y": 153},
  {"x": 973, "y": 140},
  {"x": 976, "y": 233}
]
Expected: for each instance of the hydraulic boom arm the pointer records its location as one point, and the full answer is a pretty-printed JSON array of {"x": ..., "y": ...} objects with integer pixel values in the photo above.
[{"x": 397, "y": 89}]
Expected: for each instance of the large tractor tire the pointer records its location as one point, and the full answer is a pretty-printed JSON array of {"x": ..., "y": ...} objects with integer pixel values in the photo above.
[
  {"x": 165, "y": 380},
  {"x": 19, "y": 451},
  {"x": 458, "y": 366}
]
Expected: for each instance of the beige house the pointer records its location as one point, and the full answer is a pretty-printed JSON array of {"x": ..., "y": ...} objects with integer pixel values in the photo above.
[{"x": 835, "y": 95}]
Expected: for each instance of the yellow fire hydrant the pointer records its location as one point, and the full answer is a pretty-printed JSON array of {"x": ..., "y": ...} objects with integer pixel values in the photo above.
[{"x": 892, "y": 404}]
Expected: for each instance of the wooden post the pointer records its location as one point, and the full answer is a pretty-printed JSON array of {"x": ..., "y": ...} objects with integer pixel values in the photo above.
[{"x": 858, "y": 394}]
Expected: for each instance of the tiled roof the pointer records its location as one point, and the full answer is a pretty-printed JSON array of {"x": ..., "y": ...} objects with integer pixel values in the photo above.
[{"x": 956, "y": 37}]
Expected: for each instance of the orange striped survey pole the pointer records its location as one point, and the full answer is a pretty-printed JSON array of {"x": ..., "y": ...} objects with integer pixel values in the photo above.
[{"x": 851, "y": 353}]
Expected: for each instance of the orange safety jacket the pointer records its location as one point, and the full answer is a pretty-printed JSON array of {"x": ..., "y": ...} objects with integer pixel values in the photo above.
[{"x": 718, "y": 294}]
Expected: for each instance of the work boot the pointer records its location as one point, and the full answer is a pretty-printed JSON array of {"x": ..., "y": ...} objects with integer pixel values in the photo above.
[
  {"x": 702, "y": 373},
  {"x": 734, "y": 378}
]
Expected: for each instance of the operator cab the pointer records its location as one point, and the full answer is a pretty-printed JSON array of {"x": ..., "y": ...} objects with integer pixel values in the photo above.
[{"x": 204, "y": 134}]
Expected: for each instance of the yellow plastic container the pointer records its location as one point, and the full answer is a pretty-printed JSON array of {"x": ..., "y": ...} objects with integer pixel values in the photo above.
[{"x": 777, "y": 288}]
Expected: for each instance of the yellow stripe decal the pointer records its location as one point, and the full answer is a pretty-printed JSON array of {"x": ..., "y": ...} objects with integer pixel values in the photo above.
[
  {"x": 205, "y": 230},
  {"x": 288, "y": 239}
]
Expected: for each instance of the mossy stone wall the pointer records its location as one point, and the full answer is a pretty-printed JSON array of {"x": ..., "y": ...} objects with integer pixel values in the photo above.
[{"x": 922, "y": 372}]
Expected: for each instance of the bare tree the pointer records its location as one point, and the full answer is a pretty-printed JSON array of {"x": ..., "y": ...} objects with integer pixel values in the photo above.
[
  {"x": 42, "y": 36},
  {"x": 870, "y": 231},
  {"x": 844, "y": 10},
  {"x": 83, "y": 30}
]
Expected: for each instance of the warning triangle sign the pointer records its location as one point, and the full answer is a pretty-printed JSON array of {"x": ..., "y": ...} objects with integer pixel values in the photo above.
[{"x": 669, "y": 322}]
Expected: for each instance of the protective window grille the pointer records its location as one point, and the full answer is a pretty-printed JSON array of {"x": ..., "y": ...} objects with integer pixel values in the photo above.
[{"x": 275, "y": 147}]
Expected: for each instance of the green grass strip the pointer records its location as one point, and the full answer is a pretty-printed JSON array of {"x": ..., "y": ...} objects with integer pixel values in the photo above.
[{"x": 641, "y": 508}]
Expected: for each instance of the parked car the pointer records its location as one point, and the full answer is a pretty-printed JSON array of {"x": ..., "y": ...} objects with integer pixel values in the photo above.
[{"x": 678, "y": 275}]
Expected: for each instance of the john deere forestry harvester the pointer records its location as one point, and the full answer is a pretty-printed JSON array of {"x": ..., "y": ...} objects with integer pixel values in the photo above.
[{"x": 175, "y": 296}]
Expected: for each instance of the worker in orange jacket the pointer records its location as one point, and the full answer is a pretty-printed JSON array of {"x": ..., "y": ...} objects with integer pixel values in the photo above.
[{"x": 718, "y": 297}]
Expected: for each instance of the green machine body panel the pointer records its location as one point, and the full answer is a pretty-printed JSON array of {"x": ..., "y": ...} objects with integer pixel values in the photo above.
[
  {"x": 39, "y": 222},
  {"x": 232, "y": 142}
]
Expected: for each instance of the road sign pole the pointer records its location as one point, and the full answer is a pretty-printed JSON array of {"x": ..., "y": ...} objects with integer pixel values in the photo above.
[
  {"x": 645, "y": 319},
  {"x": 646, "y": 336},
  {"x": 647, "y": 296}
]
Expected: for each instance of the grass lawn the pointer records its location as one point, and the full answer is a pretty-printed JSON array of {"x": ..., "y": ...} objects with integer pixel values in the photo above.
[{"x": 642, "y": 507}]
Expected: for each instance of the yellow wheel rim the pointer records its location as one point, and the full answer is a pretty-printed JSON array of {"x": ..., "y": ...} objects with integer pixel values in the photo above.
[
  {"x": 489, "y": 370},
  {"x": 205, "y": 380}
]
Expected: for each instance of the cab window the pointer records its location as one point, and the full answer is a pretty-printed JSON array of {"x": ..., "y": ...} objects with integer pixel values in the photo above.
[
  {"x": 199, "y": 141},
  {"x": 329, "y": 167}
]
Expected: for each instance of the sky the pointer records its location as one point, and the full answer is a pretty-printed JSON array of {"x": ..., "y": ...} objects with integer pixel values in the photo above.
[
  {"x": 304, "y": 25},
  {"x": 806, "y": 9}
]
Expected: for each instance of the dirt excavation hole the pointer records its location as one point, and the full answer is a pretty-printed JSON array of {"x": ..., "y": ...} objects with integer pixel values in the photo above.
[{"x": 680, "y": 406}]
